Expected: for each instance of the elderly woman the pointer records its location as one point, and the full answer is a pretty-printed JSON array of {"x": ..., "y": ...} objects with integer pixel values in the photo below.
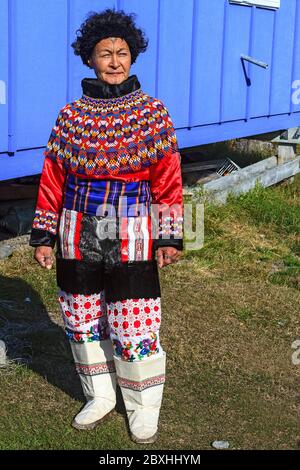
[{"x": 110, "y": 197}]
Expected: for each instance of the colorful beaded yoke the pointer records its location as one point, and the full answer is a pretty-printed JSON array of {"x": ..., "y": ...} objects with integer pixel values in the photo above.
[{"x": 115, "y": 136}]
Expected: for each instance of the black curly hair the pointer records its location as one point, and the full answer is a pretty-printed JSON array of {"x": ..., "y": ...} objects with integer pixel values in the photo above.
[{"x": 109, "y": 23}]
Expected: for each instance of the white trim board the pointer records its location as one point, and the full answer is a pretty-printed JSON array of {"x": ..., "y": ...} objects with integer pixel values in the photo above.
[{"x": 258, "y": 3}]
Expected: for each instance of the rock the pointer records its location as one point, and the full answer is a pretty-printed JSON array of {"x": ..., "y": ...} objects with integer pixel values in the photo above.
[
  {"x": 7, "y": 247},
  {"x": 220, "y": 444},
  {"x": 3, "y": 358},
  {"x": 5, "y": 251}
]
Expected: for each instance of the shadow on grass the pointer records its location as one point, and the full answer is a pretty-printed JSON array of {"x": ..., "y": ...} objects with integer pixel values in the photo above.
[{"x": 34, "y": 339}]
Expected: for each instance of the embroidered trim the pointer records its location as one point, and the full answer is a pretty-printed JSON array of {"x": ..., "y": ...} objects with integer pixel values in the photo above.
[
  {"x": 125, "y": 100},
  {"x": 45, "y": 220},
  {"x": 136, "y": 239},
  {"x": 143, "y": 385},
  {"x": 135, "y": 348},
  {"x": 171, "y": 227},
  {"x": 95, "y": 369},
  {"x": 69, "y": 234}
]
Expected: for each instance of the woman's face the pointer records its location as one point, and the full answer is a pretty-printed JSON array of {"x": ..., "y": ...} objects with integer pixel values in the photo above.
[{"x": 111, "y": 60}]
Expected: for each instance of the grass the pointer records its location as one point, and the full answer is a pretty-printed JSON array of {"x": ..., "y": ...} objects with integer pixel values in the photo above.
[{"x": 230, "y": 316}]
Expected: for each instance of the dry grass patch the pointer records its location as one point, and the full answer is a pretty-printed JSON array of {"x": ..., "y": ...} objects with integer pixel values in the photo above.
[{"x": 230, "y": 316}]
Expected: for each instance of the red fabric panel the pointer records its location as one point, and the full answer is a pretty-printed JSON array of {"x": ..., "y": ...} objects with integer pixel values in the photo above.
[
  {"x": 124, "y": 239},
  {"x": 50, "y": 195},
  {"x": 77, "y": 235},
  {"x": 166, "y": 181},
  {"x": 166, "y": 191}
]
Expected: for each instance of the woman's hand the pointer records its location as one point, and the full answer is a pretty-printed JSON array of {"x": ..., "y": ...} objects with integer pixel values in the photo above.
[
  {"x": 44, "y": 256},
  {"x": 167, "y": 255}
]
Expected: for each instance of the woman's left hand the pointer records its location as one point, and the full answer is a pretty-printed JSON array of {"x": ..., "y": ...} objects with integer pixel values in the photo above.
[{"x": 167, "y": 255}]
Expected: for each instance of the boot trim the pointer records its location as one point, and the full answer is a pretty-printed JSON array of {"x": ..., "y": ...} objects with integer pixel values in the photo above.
[
  {"x": 142, "y": 385},
  {"x": 95, "y": 369}
]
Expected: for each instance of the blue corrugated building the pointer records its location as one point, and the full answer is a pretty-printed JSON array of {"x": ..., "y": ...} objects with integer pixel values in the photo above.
[{"x": 224, "y": 68}]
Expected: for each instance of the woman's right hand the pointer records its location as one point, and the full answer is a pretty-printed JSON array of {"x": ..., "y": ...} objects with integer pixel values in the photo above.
[{"x": 44, "y": 256}]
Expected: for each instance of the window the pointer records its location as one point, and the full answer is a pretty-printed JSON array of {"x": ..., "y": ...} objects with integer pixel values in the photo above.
[
  {"x": 259, "y": 3},
  {"x": 2, "y": 92}
]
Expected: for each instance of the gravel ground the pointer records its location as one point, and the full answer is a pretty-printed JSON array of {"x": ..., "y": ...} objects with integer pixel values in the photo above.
[{"x": 7, "y": 247}]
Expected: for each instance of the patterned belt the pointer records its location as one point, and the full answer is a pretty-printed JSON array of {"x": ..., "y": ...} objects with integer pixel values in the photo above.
[{"x": 107, "y": 197}]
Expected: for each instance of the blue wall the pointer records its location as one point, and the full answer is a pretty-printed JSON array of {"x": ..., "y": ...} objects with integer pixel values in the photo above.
[{"x": 193, "y": 64}]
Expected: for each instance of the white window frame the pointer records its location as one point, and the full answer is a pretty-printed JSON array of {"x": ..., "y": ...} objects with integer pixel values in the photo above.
[
  {"x": 2, "y": 92},
  {"x": 271, "y": 4}
]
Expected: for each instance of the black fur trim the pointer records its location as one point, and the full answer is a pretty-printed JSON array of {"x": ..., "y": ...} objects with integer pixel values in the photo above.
[
  {"x": 40, "y": 237},
  {"x": 79, "y": 277},
  {"x": 174, "y": 242},
  {"x": 96, "y": 88},
  {"x": 132, "y": 280}
]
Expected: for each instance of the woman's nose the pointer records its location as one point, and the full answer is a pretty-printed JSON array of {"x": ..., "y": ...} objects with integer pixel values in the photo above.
[{"x": 114, "y": 61}]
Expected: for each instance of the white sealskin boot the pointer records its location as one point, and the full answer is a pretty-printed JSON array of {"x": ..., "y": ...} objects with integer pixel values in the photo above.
[
  {"x": 142, "y": 386},
  {"x": 95, "y": 366}
]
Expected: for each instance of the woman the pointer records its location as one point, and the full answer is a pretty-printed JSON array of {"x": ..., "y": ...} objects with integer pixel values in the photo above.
[{"x": 111, "y": 158}]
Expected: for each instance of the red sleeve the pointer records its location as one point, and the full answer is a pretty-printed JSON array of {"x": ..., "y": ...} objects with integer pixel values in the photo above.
[
  {"x": 167, "y": 200},
  {"x": 50, "y": 194}
]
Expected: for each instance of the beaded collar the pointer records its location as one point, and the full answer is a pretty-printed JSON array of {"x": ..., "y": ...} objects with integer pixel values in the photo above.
[{"x": 116, "y": 130}]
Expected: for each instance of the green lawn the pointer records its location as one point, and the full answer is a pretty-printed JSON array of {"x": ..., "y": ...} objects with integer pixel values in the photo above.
[{"x": 230, "y": 316}]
